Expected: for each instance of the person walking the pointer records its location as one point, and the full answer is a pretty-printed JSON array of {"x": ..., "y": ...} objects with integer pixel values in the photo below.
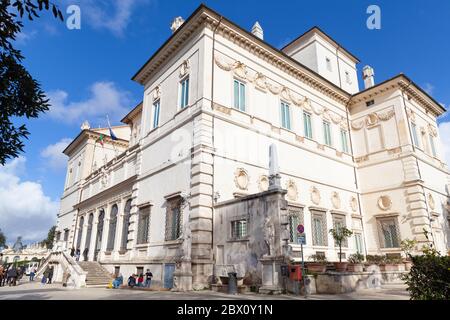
[
  {"x": 45, "y": 275},
  {"x": 2, "y": 275},
  {"x": 148, "y": 278},
  {"x": 50, "y": 275},
  {"x": 32, "y": 274},
  {"x": 77, "y": 254},
  {"x": 140, "y": 281},
  {"x": 12, "y": 276},
  {"x": 72, "y": 252}
]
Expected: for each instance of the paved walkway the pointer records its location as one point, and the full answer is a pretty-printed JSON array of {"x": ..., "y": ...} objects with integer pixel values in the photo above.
[{"x": 37, "y": 291}]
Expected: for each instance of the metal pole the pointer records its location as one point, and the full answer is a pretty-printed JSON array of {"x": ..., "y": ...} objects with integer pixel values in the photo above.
[{"x": 303, "y": 269}]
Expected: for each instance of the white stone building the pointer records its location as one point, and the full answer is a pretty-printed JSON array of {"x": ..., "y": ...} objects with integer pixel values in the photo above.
[{"x": 215, "y": 97}]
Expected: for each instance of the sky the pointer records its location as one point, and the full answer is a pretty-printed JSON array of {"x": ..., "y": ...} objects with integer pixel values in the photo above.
[{"x": 87, "y": 73}]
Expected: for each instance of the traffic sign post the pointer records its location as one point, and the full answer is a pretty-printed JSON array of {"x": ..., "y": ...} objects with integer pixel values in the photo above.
[{"x": 302, "y": 239}]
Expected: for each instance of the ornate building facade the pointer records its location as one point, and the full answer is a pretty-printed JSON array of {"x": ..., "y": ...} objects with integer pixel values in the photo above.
[{"x": 183, "y": 189}]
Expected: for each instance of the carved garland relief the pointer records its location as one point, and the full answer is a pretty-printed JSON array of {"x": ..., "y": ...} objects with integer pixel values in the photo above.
[
  {"x": 263, "y": 83},
  {"x": 372, "y": 119}
]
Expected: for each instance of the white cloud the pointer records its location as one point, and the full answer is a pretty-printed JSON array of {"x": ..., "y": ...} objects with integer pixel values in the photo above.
[
  {"x": 105, "y": 99},
  {"x": 112, "y": 15},
  {"x": 24, "y": 208},
  {"x": 23, "y": 37},
  {"x": 53, "y": 153},
  {"x": 444, "y": 133}
]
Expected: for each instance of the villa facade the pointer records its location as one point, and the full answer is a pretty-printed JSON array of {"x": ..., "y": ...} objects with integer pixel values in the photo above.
[{"x": 185, "y": 187}]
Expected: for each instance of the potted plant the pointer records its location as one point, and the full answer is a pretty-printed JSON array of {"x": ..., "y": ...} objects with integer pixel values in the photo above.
[
  {"x": 318, "y": 264},
  {"x": 390, "y": 263},
  {"x": 374, "y": 260},
  {"x": 355, "y": 262},
  {"x": 340, "y": 234},
  {"x": 407, "y": 247}
]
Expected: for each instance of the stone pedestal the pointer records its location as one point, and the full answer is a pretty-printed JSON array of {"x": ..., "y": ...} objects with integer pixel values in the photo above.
[
  {"x": 183, "y": 278},
  {"x": 272, "y": 281}
]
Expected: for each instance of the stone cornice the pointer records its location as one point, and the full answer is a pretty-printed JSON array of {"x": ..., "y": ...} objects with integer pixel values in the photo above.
[{"x": 205, "y": 17}]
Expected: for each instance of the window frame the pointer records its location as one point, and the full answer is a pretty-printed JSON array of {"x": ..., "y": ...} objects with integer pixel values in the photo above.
[
  {"x": 383, "y": 242},
  {"x": 415, "y": 137},
  {"x": 327, "y": 134},
  {"x": 307, "y": 115},
  {"x": 156, "y": 116},
  {"x": 344, "y": 140},
  {"x": 432, "y": 145},
  {"x": 298, "y": 214},
  {"x": 174, "y": 222},
  {"x": 236, "y": 233},
  {"x": 239, "y": 99},
  {"x": 283, "y": 106},
  {"x": 143, "y": 236},
  {"x": 184, "y": 94},
  {"x": 324, "y": 236}
]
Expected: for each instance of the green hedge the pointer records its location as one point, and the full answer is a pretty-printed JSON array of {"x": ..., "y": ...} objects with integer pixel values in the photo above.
[{"x": 429, "y": 278}]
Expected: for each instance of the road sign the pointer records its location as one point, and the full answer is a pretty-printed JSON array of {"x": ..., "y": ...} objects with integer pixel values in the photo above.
[
  {"x": 301, "y": 239},
  {"x": 300, "y": 228}
]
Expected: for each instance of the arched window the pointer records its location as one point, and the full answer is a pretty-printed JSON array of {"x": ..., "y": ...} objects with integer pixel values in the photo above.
[
  {"x": 80, "y": 232},
  {"x": 112, "y": 228},
  {"x": 126, "y": 225},
  {"x": 98, "y": 243}
]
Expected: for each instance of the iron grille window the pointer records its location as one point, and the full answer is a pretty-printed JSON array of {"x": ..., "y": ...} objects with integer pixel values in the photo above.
[
  {"x": 389, "y": 233},
  {"x": 295, "y": 218},
  {"x": 112, "y": 228},
  {"x": 143, "y": 225},
  {"x": 338, "y": 223},
  {"x": 126, "y": 225},
  {"x": 239, "y": 229},
  {"x": 319, "y": 227},
  {"x": 173, "y": 219}
]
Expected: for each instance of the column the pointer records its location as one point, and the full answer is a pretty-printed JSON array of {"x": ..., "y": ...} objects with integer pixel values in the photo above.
[
  {"x": 119, "y": 227},
  {"x": 91, "y": 252}
]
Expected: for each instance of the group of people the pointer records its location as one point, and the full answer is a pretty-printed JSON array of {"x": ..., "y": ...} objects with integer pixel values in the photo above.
[
  {"x": 141, "y": 280},
  {"x": 76, "y": 253},
  {"x": 47, "y": 276},
  {"x": 11, "y": 275}
]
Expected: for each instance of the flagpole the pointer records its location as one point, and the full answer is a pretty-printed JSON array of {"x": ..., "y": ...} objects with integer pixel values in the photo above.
[{"x": 109, "y": 126}]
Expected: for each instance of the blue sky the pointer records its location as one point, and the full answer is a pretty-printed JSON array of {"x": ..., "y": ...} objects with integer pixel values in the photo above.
[{"x": 87, "y": 72}]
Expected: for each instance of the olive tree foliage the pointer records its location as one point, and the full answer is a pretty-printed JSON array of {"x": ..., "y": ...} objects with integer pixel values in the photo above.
[{"x": 20, "y": 94}]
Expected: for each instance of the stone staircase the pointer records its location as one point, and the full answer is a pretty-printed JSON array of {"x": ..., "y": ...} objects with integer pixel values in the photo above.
[{"x": 97, "y": 276}]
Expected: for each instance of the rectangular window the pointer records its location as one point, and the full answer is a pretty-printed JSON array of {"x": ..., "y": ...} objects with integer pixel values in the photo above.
[
  {"x": 239, "y": 229},
  {"x": 433, "y": 147},
  {"x": 156, "y": 110},
  {"x": 344, "y": 141},
  {"x": 184, "y": 96},
  {"x": 339, "y": 222},
  {"x": 295, "y": 218},
  {"x": 143, "y": 225},
  {"x": 389, "y": 234},
  {"x": 285, "y": 116},
  {"x": 307, "y": 125},
  {"x": 414, "y": 134},
  {"x": 327, "y": 133},
  {"x": 358, "y": 243},
  {"x": 173, "y": 219},
  {"x": 239, "y": 95},
  {"x": 319, "y": 227}
]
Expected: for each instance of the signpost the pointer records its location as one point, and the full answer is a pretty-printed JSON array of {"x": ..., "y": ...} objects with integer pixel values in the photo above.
[{"x": 302, "y": 240}]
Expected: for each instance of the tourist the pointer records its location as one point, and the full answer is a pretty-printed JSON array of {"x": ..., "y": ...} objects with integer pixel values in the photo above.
[
  {"x": 118, "y": 281},
  {"x": 140, "y": 281},
  {"x": 72, "y": 252},
  {"x": 132, "y": 281},
  {"x": 32, "y": 273},
  {"x": 66, "y": 277},
  {"x": 148, "y": 278},
  {"x": 12, "y": 276},
  {"x": 45, "y": 275},
  {"x": 77, "y": 254},
  {"x": 85, "y": 254},
  {"x": 2, "y": 276},
  {"x": 50, "y": 275}
]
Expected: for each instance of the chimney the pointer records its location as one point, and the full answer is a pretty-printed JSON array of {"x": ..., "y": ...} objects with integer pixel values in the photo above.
[
  {"x": 368, "y": 77},
  {"x": 176, "y": 23},
  {"x": 258, "y": 31}
]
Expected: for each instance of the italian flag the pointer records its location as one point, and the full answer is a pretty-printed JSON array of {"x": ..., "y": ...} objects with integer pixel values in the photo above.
[{"x": 100, "y": 139}]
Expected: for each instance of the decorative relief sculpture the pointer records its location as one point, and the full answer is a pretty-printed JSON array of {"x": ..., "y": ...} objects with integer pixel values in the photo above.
[
  {"x": 241, "y": 179},
  {"x": 372, "y": 119},
  {"x": 384, "y": 203},
  {"x": 354, "y": 204},
  {"x": 184, "y": 69},
  {"x": 263, "y": 183},
  {"x": 315, "y": 195},
  {"x": 269, "y": 236},
  {"x": 335, "y": 200},
  {"x": 292, "y": 191},
  {"x": 157, "y": 93},
  {"x": 431, "y": 202},
  {"x": 262, "y": 82},
  {"x": 432, "y": 130}
]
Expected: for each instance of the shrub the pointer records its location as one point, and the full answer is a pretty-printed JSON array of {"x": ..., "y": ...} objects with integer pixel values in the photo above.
[
  {"x": 355, "y": 258},
  {"x": 429, "y": 277},
  {"x": 375, "y": 259},
  {"x": 318, "y": 258}
]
